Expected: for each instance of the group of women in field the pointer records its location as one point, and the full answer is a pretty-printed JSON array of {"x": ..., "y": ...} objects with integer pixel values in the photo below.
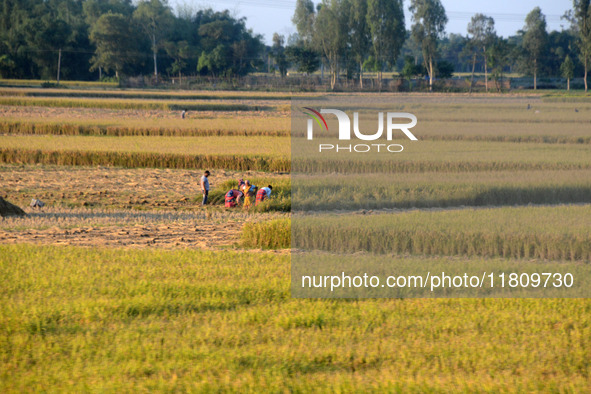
[{"x": 246, "y": 194}]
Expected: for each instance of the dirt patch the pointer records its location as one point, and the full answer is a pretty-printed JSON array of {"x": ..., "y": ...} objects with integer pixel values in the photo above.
[{"x": 125, "y": 228}]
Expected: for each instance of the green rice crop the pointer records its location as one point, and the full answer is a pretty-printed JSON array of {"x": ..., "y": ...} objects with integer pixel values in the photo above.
[
  {"x": 271, "y": 234},
  {"x": 551, "y": 233},
  {"x": 84, "y": 319}
]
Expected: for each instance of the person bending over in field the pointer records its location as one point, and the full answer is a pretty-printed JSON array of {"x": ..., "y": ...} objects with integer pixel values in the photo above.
[
  {"x": 233, "y": 198},
  {"x": 263, "y": 194},
  {"x": 205, "y": 187},
  {"x": 250, "y": 192}
]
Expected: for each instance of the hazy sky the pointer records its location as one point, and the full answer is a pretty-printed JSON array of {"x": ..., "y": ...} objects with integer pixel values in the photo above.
[{"x": 269, "y": 16}]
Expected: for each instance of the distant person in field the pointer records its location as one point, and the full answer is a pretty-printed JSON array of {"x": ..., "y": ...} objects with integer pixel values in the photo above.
[
  {"x": 249, "y": 193},
  {"x": 205, "y": 186},
  {"x": 183, "y": 114},
  {"x": 233, "y": 198},
  {"x": 263, "y": 194}
]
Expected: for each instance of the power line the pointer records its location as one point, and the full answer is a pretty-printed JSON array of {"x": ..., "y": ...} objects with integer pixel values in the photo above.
[{"x": 453, "y": 15}]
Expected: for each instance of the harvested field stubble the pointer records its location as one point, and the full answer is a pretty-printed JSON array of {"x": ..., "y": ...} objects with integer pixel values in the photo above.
[
  {"x": 125, "y": 228},
  {"x": 125, "y": 188}
]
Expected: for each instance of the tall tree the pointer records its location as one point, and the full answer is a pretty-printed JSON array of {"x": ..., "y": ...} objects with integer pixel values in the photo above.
[
  {"x": 386, "y": 24},
  {"x": 330, "y": 35},
  {"x": 429, "y": 25},
  {"x": 359, "y": 33},
  {"x": 94, "y": 9},
  {"x": 497, "y": 56},
  {"x": 113, "y": 37},
  {"x": 48, "y": 34},
  {"x": 155, "y": 17},
  {"x": 180, "y": 51},
  {"x": 303, "y": 19},
  {"x": 582, "y": 16},
  {"x": 567, "y": 69},
  {"x": 482, "y": 30},
  {"x": 304, "y": 58},
  {"x": 228, "y": 47},
  {"x": 278, "y": 54},
  {"x": 535, "y": 39}
]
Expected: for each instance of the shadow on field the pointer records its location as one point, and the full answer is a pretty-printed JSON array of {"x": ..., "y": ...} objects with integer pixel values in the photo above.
[{"x": 319, "y": 198}]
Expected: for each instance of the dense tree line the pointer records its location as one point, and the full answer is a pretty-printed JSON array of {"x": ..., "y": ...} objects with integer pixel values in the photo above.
[
  {"x": 90, "y": 39},
  {"x": 353, "y": 36},
  {"x": 86, "y": 39}
]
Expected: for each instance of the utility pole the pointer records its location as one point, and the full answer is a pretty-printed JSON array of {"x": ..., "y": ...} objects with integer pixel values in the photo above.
[{"x": 59, "y": 64}]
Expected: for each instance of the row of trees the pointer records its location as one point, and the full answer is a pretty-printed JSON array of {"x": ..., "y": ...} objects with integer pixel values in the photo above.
[
  {"x": 351, "y": 36},
  {"x": 78, "y": 38},
  {"x": 83, "y": 39}
]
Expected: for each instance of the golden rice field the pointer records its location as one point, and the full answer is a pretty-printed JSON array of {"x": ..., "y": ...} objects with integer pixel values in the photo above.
[
  {"x": 214, "y": 145},
  {"x": 123, "y": 282},
  {"x": 78, "y": 319}
]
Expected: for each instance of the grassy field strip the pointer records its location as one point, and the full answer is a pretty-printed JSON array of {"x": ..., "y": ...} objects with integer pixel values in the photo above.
[
  {"x": 513, "y": 132},
  {"x": 200, "y": 128},
  {"x": 200, "y": 321},
  {"x": 273, "y": 154},
  {"x": 551, "y": 233},
  {"x": 505, "y": 108},
  {"x": 147, "y": 94},
  {"x": 144, "y": 160},
  {"x": 435, "y": 131},
  {"x": 272, "y": 234},
  {"x": 235, "y": 153},
  {"x": 420, "y": 166},
  {"x": 421, "y": 151},
  {"x": 545, "y": 139},
  {"x": 427, "y": 190},
  {"x": 567, "y": 99},
  {"x": 279, "y": 126},
  {"x": 255, "y": 145},
  {"x": 445, "y": 156},
  {"x": 130, "y": 104},
  {"x": 36, "y": 83}
]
